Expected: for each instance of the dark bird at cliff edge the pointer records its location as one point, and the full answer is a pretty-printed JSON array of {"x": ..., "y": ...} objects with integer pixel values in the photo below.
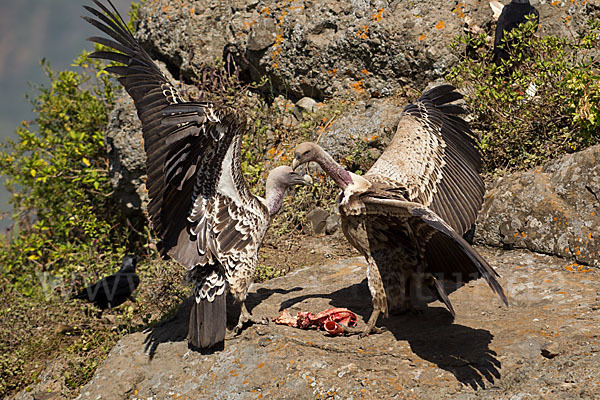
[
  {"x": 114, "y": 289},
  {"x": 200, "y": 205},
  {"x": 512, "y": 15}
]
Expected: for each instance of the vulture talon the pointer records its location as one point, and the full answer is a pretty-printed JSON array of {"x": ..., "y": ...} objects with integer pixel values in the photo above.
[{"x": 247, "y": 317}]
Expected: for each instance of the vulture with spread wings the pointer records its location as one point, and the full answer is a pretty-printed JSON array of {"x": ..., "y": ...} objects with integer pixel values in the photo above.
[
  {"x": 200, "y": 205},
  {"x": 406, "y": 215}
]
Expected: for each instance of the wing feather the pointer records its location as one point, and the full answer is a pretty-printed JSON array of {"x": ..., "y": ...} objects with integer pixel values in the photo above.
[
  {"x": 434, "y": 155},
  {"x": 186, "y": 146},
  {"x": 447, "y": 254}
]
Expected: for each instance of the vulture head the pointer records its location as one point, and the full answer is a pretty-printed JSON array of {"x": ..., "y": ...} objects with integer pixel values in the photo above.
[
  {"x": 304, "y": 153},
  {"x": 308, "y": 151},
  {"x": 278, "y": 181}
]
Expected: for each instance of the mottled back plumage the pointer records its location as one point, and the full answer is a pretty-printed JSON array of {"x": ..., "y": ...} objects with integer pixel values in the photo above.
[{"x": 200, "y": 205}]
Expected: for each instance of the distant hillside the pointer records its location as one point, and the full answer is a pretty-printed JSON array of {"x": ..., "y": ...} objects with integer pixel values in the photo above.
[{"x": 29, "y": 31}]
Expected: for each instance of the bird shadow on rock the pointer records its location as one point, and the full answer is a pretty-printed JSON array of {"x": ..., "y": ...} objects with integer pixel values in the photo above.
[
  {"x": 175, "y": 328},
  {"x": 432, "y": 335}
]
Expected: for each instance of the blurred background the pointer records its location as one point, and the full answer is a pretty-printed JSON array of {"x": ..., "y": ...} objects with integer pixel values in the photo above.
[{"x": 31, "y": 30}]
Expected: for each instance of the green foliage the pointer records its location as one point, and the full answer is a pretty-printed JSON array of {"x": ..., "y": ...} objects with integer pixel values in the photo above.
[
  {"x": 519, "y": 130},
  {"x": 57, "y": 172}
]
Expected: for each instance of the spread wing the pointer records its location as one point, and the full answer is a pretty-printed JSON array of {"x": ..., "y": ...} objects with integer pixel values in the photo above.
[
  {"x": 200, "y": 205},
  {"x": 434, "y": 157},
  {"x": 447, "y": 255}
]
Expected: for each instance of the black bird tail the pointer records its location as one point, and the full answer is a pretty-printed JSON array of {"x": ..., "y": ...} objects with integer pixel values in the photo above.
[{"x": 208, "y": 321}]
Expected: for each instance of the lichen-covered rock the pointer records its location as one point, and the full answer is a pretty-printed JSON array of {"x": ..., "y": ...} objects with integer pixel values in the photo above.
[
  {"x": 361, "y": 133},
  {"x": 526, "y": 350},
  {"x": 321, "y": 48},
  {"x": 553, "y": 209},
  {"x": 126, "y": 156}
]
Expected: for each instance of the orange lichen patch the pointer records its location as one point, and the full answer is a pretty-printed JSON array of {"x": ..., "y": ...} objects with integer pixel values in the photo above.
[
  {"x": 567, "y": 19},
  {"x": 358, "y": 86},
  {"x": 364, "y": 71},
  {"x": 590, "y": 235},
  {"x": 562, "y": 293},
  {"x": 566, "y": 249},
  {"x": 246, "y": 381},
  {"x": 523, "y": 234},
  {"x": 516, "y": 234},
  {"x": 332, "y": 72},
  {"x": 266, "y": 11},
  {"x": 459, "y": 10},
  {"x": 578, "y": 253},
  {"x": 378, "y": 16},
  {"x": 548, "y": 280},
  {"x": 555, "y": 3},
  {"x": 518, "y": 267},
  {"x": 260, "y": 365},
  {"x": 165, "y": 8},
  {"x": 440, "y": 25},
  {"x": 422, "y": 37},
  {"x": 363, "y": 32}
]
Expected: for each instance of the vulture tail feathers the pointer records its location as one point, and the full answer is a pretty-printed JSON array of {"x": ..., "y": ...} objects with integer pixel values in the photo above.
[{"x": 208, "y": 321}]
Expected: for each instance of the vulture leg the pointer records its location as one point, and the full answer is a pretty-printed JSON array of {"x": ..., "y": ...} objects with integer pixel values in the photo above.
[
  {"x": 245, "y": 316},
  {"x": 380, "y": 304}
]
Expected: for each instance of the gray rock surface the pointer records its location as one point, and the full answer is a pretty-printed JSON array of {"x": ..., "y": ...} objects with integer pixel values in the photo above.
[
  {"x": 126, "y": 155},
  {"x": 553, "y": 209},
  {"x": 361, "y": 133},
  {"x": 488, "y": 351},
  {"x": 320, "y": 48},
  {"x": 318, "y": 220}
]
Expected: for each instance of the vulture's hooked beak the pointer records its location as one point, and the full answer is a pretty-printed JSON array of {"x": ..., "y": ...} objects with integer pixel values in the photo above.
[
  {"x": 298, "y": 179},
  {"x": 295, "y": 163}
]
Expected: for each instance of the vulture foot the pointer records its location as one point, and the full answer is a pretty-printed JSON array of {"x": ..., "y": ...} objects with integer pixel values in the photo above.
[
  {"x": 370, "y": 329},
  {"x": 246, "y": 317}
]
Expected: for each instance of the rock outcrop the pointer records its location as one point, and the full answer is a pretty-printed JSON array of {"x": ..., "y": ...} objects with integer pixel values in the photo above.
[
  {"x": 553, "y": 209},
  {"x": 320, "y": 48},
  {"x": 529, "y": 349}
]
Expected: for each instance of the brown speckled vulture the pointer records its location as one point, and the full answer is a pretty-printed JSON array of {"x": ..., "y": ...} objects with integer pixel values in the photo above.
[
  {"x": 406, "y": 215},
  {"x": 200, "y": 205}
]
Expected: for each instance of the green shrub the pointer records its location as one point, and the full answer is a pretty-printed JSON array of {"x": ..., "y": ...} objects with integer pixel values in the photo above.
[
  {"x": 518, "y": 130},
  {"x": 57, "y": 172}
]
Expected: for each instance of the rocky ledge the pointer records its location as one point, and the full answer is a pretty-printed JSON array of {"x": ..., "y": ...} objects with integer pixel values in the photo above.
[{"x": 545, "y": 344}]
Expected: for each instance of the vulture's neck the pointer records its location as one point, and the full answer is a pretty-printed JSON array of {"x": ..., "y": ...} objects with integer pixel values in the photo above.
[
  {"x": 274, "y": 197},
  {"x": 340, "y": 176}
]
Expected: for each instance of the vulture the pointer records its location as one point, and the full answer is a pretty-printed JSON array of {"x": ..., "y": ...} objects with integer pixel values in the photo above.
[
  {"x": 200, "y": 205},
  {"x": 406, "y": 215},
  {"x": 512, "y": 15},
  {"x": 114, "y": 289}
]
